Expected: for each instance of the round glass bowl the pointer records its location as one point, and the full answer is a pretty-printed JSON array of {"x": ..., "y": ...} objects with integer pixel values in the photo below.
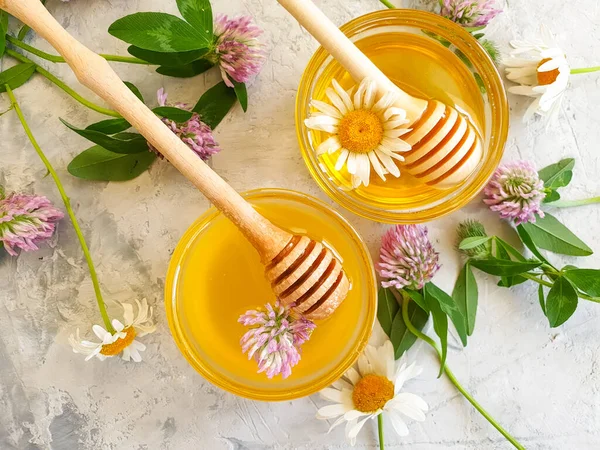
[
  {"x": 215, "y": 276},
  {"x": 429, "y": 57}
]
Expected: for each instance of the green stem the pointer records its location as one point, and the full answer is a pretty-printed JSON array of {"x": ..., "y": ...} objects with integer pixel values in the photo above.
[
  {"x": 571, "y": 203},
  {"x": 387, "y": 3},
  {"x": 380, "y": 429},
  {"x": 585, "y": 70},
  {"x": 532, "y": 277},
  {"x": 452, "y": 378},
  {"x": 59, "y": 59},
  {"x": 63, "y": 86},
  {"x": 67, "y": 202}
]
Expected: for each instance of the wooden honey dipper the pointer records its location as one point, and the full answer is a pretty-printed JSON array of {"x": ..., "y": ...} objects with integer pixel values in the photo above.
[
  {"x": 303, "y": 273},
  {"x": 446, "y": 145}
]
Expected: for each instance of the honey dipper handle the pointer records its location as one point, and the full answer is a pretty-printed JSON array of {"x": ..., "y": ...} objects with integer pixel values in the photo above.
[
  {"x": 95, "y": 73},
  {"x": 346, "y": 53}
]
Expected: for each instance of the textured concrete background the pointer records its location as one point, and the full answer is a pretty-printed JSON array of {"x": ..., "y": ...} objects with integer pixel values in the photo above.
[{"x": 541, "y": 384}]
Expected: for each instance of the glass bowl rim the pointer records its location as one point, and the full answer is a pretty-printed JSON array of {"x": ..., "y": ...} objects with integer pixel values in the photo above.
[
  {"x": 213, "y": 376},
  {"x": 499, "y": 118}
]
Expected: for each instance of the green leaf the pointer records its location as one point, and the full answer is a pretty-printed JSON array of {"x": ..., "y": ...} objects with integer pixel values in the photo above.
[
  {"x": 502, "y": 253},
  {"x": 472, "y": 242},
  {"x": 418, "y": 298},
  {"x": 387, "y": 308},
  {"x": 548, "y": 233},
  {"x": 559, "y": 174},
  {"x": 510, "y": 249},
  {"x": 159, "y": 32},
  {"x": 214, "y": 105},
  {"x": 528, "y": 241},
  {"x": 451, "y": 309},
  {"x": 97, "y": 163},
  {"x": 3, "y": 31},
  {"x": 465, "y": 296},
  {"x": 242, "y": 94},
  {"x": 504, "y": 268},
  {"x": 187, "y": 71},
  {"x": 132, "y": 87},
  {"x": 120, "y": 143},
  {"x": 551, "y": 196},
  {"x": 176, "y": 114},
  {"x": 541, "y": 298},
  {"x": 440, "y": 324},
  {"x": 401, "y": 337},
  {"x": 586, "y": 280},
  {"x": 109, "y": 126},
  {"x": 173, "y": 59},
  {"x": 16, "y": 76},
  {"x": 561, "y": 302},
  {"x": 198, "y": 14}
]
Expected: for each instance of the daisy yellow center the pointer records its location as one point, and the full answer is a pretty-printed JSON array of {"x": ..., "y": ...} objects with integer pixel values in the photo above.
[
  {"x": 360, "y": 131},
  {"x": 372, "y": 392},
  {"x": 549, "y": 77},
  {"x": 120, "y": 344}
]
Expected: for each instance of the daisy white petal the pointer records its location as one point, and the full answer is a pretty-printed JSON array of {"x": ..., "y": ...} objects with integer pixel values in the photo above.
[
  {"x": 399, "y": 425},
  {"x": 361, "y": 125},
  {"x": 331, "y": 411},
  {"x": 352, "y": 375},
  {"x": 332, "y": 394},
  {"x": 326, "y": 109}
]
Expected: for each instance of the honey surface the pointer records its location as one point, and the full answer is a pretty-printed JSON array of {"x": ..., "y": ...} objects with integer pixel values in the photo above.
[{"x": 221, "y": 277}]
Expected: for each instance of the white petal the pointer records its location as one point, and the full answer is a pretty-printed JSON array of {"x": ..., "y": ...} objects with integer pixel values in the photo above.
[
  {"x": 100, "y": 332},
  {"x": 377, "y": 165},
  {"x": 549, "y": 65},
  {"x": 343, "y": 95},
  {"x": 342, "y": 384},
  {"x": 399, "y": 426},
  {"x": 364, "y": 365},
  {"x": 533, "y": 108},
  {"x": 409, "y": 411},
  {"x": 353, "y": 432},
  {"x": 330, "y": 145},
  {"x": 331, "y": 411},
  {"x": 332, "y": 394},
  {"x": 359, "y": 95},
  {"x": 388, "y": 163},
  {"x": 354, "y": 414},
  {"x": 128, "y": 313},
  {"x": 352, "y": 163},
  {"x": 363, "y": 169},
  {"x": 341, "y": 159},
  {"x": 388, "y": 360},
  {"x": 326, "y": 109},
  {"x": 135, "y": 355},
  {"x": 126, "y": 355},
  {"x": 399, "y": 113},
  {"x": 370, "y": 94},
  {"x": 405, "y": 374},
  {"x": 336, "y": 101},
  {"x": 388, "y": 99},
  {"x": 117, "y": 325},
  {"x": 523, "y": 90},
  {"x": 352, "y": 375},
  {"x": 409, "y": 399},
  {"x": 396, "y": 144},
  {"x": 336, "y": 423}
]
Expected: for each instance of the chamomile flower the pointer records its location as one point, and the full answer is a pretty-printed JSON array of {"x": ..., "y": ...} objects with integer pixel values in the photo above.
[
  {"x": 123, "y": 340},
  {"x": 374, "y": 388},
  {"x": 364, "y": 131},
  {"x": 542, "y": 71}
]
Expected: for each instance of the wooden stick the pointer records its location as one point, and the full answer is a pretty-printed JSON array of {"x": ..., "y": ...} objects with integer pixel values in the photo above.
[
  {"x": 347, "y": 54},
  {"x": 95, "y": 73}
]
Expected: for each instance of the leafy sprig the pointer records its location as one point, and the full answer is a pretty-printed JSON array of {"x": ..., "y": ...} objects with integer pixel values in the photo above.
[{"x": 559, "y": 289}]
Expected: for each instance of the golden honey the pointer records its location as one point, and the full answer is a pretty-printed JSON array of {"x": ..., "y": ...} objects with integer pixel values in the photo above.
[
  {"x": 216, "y": 275},
  {"x": 456, "y": 72}
]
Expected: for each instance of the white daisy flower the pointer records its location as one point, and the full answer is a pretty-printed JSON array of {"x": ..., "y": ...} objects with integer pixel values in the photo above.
[
  {"x": 364, "y": 131},
  {"x": 542, "y": 70},
  {"x": 123, "y": 340},
  {"x": 375, "y": 387}
]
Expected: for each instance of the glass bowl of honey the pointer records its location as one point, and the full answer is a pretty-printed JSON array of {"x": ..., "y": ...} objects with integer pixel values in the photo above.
[
  {"x": 429, "y": 57},
  {"x": 215, "y": 275}
]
